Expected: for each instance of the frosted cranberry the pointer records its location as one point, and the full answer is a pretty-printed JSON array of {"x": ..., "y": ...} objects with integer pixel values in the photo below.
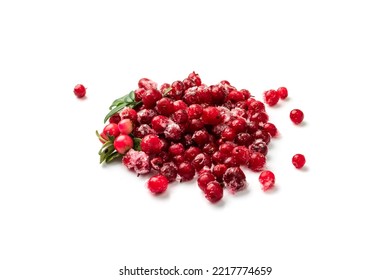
[
  {"x": 228, "y": 134},
  {"x": 123, "y": 143},
  {"x": 242, "y": 105},
  {"x": 296, "y": 116},
  {"x": 188, "y": 83},
  {"x": 159, "y": 123},
  {"x": 231, "y": 162},
  {"x": 218, "y": 157},
  {"x": 125, "y": 126},
  {"x": 210, "y": 148},
  {"x": 200, "y": 137},
  {"x": 116, "y": 118},
  {"x": 234, "y": 179},
  {"x": 271, "y": 129},
  {"x": 282, "y": 92},
  {"x": 179, "y": 105},
  {"x": 169, "y": 170},
  {"x": 255, "y": 105},
  {"x": 244, "y": 139},
  {"x": 139, "y": 93},
  {"x": 195, "y": 78},
  {"x": 241, "y": 155},
  {"x": 271, "y": 97},
  {"x": 164, "y": 106},
  {"x": 252, "y": 127},
  {"x": 218, "y": 94},
  {"x": 227, "y": 148},
  {"x": 129, "y": 113},
  {"x": 219, "y": 170},
  {"x": 204, "y": 94},
  {"x": 217, "y": 129},
  {"x": 177, "y": 90},
  {"x": 79, "y": 90},
  {"x": 187, "y": 140},
  {"x": 143, "y": 130},
  {"x": 191, "y": 153},
  {"x": 201, "y": 161},
  {"x": 176, "y": 149},
  {"x": 186, "y": 171},
  {"x": 256, "y": 161},
  {"x": 194, "y": 125},
  {"x": 246, "y": 93},
  {"x": 213, "y": 192},
  {"x": 235, "y": 96},
  {"x": 259, "y": 117},
  {"x": 156, "y": 163},
  {"x": 180, "y": 116},
  {"x": 137, "y": 160},
  {"x": 150, "y": 98},
  {"x": 298, "y": 161},
  {"x": 111, "y": 130},
  {"x": 238, "y": 125},
  {"x": 191, "y": 96},
  {"x": 263, "y": 136},
  {"x": 204, "y": 179},
  {"x": 267, "y": 179},
  {"x": 238, "y": 112},
  {"x": 195, "y": 111},
  {"x": 145, "y": 116},
  {"x": 147, "y": 84},
  {"x": 157, "y": 184},
  {"x": 178, "y": 159},
  {"x": 259, "y": 146},
  {"x": 211, "y": 115},
  {"x": 151, "y": 144},
  {"x": 173, "y": 131}
]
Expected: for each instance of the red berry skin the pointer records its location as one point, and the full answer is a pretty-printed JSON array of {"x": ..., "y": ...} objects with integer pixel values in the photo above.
[
  {"x": 147, "y": 84},
  {"x": 116, "y": 118},
  {"x": 213, "y": 192},
  {"x": 129, "y": 113},
  {"x": 179, "y": 105},
  {"x": 186, "y": 171},
  {"x": 164, "y": 106},
  {"x": 150, "y": 98},
  {"x": 282, "y": 92},
  {"x": 271, "y": 97},
  {"x": 271, "y": 129},
  {"x": 176, "y": 149},
  {"x": 298, "y": 161},
  {"x": 234, "y": 179},
  {"x": 159, "y": 123},
  {"x": 125, "y": 126},
  {"x": 79, "y": 90},
  {"x": 296, "y": 116},
  {"x": 157, "y": 184},
  {"x": 204, "y": 179},
  {"x": 123, "y": 143},
  {"x": 111, "y": 130},
  {"x": 151, "y": 144},
  {"x": 219, "y": 170},
  {"x": 211, "y": 115},
  {"x": 256, "y": 161},
  {"x": 267, "y": 179},
  {"x": 169, "y": 170}
]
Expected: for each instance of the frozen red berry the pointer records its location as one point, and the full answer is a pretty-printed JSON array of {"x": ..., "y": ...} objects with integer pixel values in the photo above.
[
  {"x": 234, "y": 179},
  {"x": 213, "y": 192},
  {"x": 204, "y": 179},
  {"x": 186, "y": 171},
  {"x": 298, "y": 161},
  {"x": 151, "y": 144},
  {"x": 112, "y": 130},
  {"x": 211, "y": 115},
  {"x": 271, "y": 129},
  {"x": 296, "y": 116},
  {"x": 125, "y": 126},
  {"x": 282, "y": 92},
  {"x": 271, "y": 97},
  {"x": 123, "y": 143},
  {"x": 79, "y": 90},
  {"x": 267, "y": 179},
  {"x": 147, "y": 84},
  {"x": 169, "y": 170},
  {"x": 256, "y": 161},
  {"x": 157, "y": 184}
]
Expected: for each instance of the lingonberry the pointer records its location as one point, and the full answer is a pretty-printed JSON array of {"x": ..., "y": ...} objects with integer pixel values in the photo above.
[
  {"x": 125, "y": 126},
  {"x": 213, "y": 192},
  {"x": 139, "y": 93},
  {"x": 219, "y": 170},
  {"x": 164, "y": 87},
  {"x": 111, "y": 130},
  {"x": 218, "y": 157},
  {"x": 246, "y": 93},
  {"x": 129, "y": 113},
  {"x": 271, "y": 129},
  {"x": 173, "y": 131},
  {"x": 235, "y": 96},
  {"x": 263, "y": 136},
  {"x": 191, "y": 153},
  {"x": 201, "y": 137},
  {"x": 180, "y": 116},
  {"x": 241, "y": 155},
  {"x": 156, "y": 163},
  {"x": 147, "y": 84},
  {"x": 239, "y": 125},
  {"x": 271, "y": 97},
  {"x": 201, "y": 160},
  {"x": 143, "y": 130},
  {"x": 252, "y": 127},
  {"x": 218, "y": 94},
  {"x": 259, "y": 117},
  {"x": 204, "y": 179},
  {"x": 228, "y": 134},
  {"x": 178, "y": 159},
  {"x": 195, "y": 78},
  {"x": 210, "y": 148},
  {"x": 234, "y": 179},
  {"x": 145, "y": 116},
  {"x": 123, "y": 143},
  {"x": 227, "y": 148},
  {"x": 169, "y": 170},
  {"x": 231, "y": 162},
  {"x": 79, "y": 90},
  {"x": 267, "y": 179},
  {"x": 194, "y": 125},
  {"x": 244, "y": 139},
  {"x": 164, "y": 106},
  {"x": 298, "y": 161},
  {"x": 282, "y": 92},
  {"x": 211, "y": 115},
  {"x": 177, "y": 90},
  {"x": 176, "y": 149},
  {"x": 159, "y": 123},
  {"x": 259, "y": 146},
  {"x": 255, "y": 105},
  {"x": 157, "y": 184},
  {"x": 296, "y": 116},
  {"x": 151, "y": 144},
  {"x": 150, "y": 98},
  {"x": 179, "y": 105},
  {"x": 137, "y": 160},
  {"x": 194, "y": 111},
  {"x": 188, "y": 83},
  {"x": 256, "y": 161},
  {"x": 116, "y": 118},
  {"x": 186, "y": 171}
]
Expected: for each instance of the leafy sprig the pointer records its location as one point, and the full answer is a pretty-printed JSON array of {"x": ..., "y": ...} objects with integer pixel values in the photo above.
[{"x": 117, "y": 105}]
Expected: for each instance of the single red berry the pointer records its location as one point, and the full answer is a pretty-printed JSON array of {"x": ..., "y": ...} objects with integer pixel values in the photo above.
[
  {"x": 235, "y": 96},
  {"x": 176, "y": 149},
  {"x": 211, "y": 115},
  {"x": 271, "y": 129},
  {"x": 246, "y": 93},
  {"x": 267, "y": 179},
  {"x": 147, "y": 84},
  {"x": 111, "y": 130},
  {"x": 164, "y": 106},
  {"x": 194, "y": 111},
  {"x": 239, "y": 125},
  {"x": 271, "y": 97},
  {"x": 116, "y": 118},
  {"x": 156, "y": 163},
  {"x": 139, "y": 93},
  {"x": 259, "y": 146},
  {"x": 145, "y": 116},
  {"x": 129, "y": 113},
  {"x": 201, "y": 137},
  {"x": 241, "y": 154},
  {"x": 186, "y": 171},
  {"x": 218, "y": 157},
  {"x": 228, "y": 134},
  {"x": 234, "y": 179},
  {"x": 159, "y": 123},
  {"x": 188, "y": 83},
  {"x": 173, "y": 131},
  {"x": 195, "y": 78},
  {"x": 262, "y": 135},
  {"x": 227, "y": 148},
  {"x": 204, "y": 179},
  {"x": 255, "y": 105},
  {"x": 219, "y": 170},
  {"x": 125, "y": 126},
  {"x": 143, "y": 130},
  {"x": 169, "y": 170},
  {"x": 123, "y": 143},
  {"x": 151, "y": 144},
  {"x": 178, "y": 159},
  {"x": 201, "y": 161},
  {"x": 79, "y": 90},
  {"x": 150, "y": 98},
  {"x": 256, "y": 161},
  {"x": 296, "y": 116},
  {"x": 244, "y": 139},
  {"x": 177, "y": 90},
  {"x": 179, "y": 105},
  {"x": 282, "y": 92},
  {"x": 191, "y": 153},
  {"x": 213, "y": 192},
  {"x": 180, "y": 116},
  {"x": 298, "y": 161},
  {"x": 157, "y": 184},
  {"x": 231, "y": 162}
]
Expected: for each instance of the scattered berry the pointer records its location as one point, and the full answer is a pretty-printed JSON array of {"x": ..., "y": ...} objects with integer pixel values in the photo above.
[
  {"x": 267, "y": 179},
  {"x": 79, "y": 90},
  {"x": 296, "y": 116},
  {"x": 213, "y": 192},
  {"x": 282, "y": 92},
  {"x": 157, "y": 184},
  {"x": 298, "y": 161}
]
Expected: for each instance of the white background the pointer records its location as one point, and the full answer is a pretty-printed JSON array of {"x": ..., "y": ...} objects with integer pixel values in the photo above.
[{"x": 63, "y": 216}]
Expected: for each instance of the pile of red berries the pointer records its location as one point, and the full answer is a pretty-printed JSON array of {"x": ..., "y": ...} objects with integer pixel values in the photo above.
[{"x": 187, "y": 129}]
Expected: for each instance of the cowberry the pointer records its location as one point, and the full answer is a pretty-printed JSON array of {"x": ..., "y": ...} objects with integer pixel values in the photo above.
[
  {"x": 298, "y": 161},
  {"x": 79, "y": 90},
  {"x": 234, "y": 179},
  {"x": 271, "y": 129},
  {"x": 151, "y": 144},
  {"x": 213, "y": 192},
  {"x": 125, "y": 126},
  {"x": 267, "y": 179},
  {"x": 112, "y": 130},
  {"x": 157, "y": 184},
  {"x": 204, "y": 179},
  {"x": 271, "y": 97},
  {"x": 256, "y": 161},
  {"x": 123, "y": 143},
  {"x": 282, "y": 92},
  {"x": 186, "y": 171},
  {"x": 296, "y": 116},
  {"x": 169, "y": 170}
]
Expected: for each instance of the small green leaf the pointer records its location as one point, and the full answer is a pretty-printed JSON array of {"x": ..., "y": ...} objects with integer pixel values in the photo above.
[
  {"x": 128, "y": 100},
  {"x": 114, "y": 111},
  {"x": 137, "y": 143},
  {"x": 112, "y": 156},
  {"x": 167, "y": 90},
  {"x": 132, "y": 95}
]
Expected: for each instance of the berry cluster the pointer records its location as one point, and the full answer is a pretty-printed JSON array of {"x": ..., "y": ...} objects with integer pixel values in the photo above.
[{"x": 187, "y": 129}]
